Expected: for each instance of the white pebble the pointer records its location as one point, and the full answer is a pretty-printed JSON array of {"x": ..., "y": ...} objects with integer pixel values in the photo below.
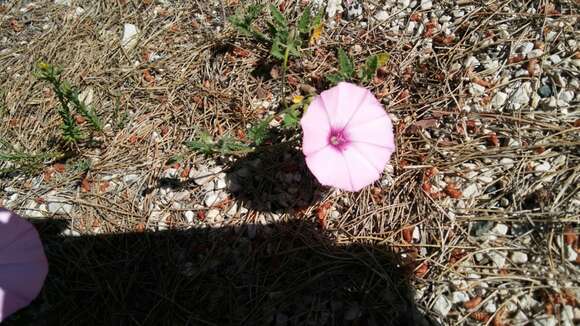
[
  {"x": 499, "y": 100},
  {"x": 213, "y": 215},
  {"x": 500, "y": 229},
  {"x": 490, "y": 307},
  {"x": 459, "y": 297},
  {"x": 570, "y": 253},
  {"x": 189, "y": 216},
  {"x": 470, "y": 191},
  {"x": 526, "y": 48},
  {"x": 442, "y": 305},
  {"x": 403, "y": 4},
  {"x": 519, "y": 257},
  {"x": 498, "y": 258},
  {"x": 555, "y": 59},
  {"x": 381, "y": 16},
  {"x": 426, "y": 4},
  {"x": 545, "y": 321},
  {"x": 476, "y": 89},
  {"x": 544, "y": 167},
  {"x": 130, "y": 36}
]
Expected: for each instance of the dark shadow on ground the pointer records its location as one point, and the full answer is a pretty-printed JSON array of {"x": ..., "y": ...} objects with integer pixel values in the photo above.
[
  {"x": 275, "y": 180},
  {"x": 280, "y": 274}
]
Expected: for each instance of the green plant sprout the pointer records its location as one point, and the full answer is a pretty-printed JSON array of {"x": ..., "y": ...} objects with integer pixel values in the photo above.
[
  {"x": 19, "y": 161},
  {"x": 346, "y": 68},
  {"x": 68, "y": 97}
]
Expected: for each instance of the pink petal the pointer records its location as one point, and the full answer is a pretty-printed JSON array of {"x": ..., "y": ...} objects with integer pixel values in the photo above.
[
  {"x": 330, "y": 168},
  {"x": 377, "y": 156},
  {"x": 362, "y": 172},
  {"x": 370, "y": 110},
  {"x": 378, "y": 132},
  {"x": 343, "y": 101},
  {"x": 315, "y": 127}
]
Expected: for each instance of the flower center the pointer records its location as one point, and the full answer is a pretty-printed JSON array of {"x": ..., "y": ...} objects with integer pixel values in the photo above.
[{"x": 338, "y": 139}]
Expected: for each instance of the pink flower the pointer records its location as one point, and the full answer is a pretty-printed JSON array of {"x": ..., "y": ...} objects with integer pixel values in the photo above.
[
  {"x": 348, "y": 137},
  {"x": 23, "y": 265}
]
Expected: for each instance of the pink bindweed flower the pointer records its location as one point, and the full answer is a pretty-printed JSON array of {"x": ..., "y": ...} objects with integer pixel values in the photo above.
[
  {"x": 23, "y": 265},
  {"x": 348, "y": 137}
]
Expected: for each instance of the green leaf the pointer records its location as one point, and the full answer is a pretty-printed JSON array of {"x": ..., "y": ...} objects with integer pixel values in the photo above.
[
  {"x": 291, "y": 117},
  {"x": 204, "y": 143},
  {"x": 369, "y": 69},
  {"x": 335, "y": 78},
  {"x": 279, "y": 19},
  {"x": 372, "y": 64},
  {"x": 305, "y": 21},
  {"x": 383, "y": 58},
  {"x": 276, "y": 51},
  {"x": 259, "y": 133},
  {"x": 317, "y": 21},
  {"x": 242, "y": 22},
  {"x": 345, "y": 64}
]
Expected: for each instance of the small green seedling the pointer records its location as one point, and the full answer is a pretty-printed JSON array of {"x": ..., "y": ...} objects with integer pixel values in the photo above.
[
  {"x": 205, "y": 144},
  {"x": 18, "y": 161},
  {"x": 366, "y": 73},
  {"x": 68, "y": 97}
]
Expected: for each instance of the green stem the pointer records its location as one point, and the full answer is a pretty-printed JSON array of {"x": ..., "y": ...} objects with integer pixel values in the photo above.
[{"x": 284, "y": 68}]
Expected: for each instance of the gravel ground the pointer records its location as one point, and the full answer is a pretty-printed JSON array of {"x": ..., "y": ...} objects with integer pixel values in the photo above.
[{"x": 481, "y": 201}]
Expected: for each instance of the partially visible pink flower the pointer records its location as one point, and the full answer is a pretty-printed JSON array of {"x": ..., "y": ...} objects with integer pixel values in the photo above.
[
  {"x": 348, "y": 137},
  {"x": 23, "y": 265}
]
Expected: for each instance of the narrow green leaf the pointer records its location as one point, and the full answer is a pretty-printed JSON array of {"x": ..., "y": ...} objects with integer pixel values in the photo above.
[
  {"x": 345, "y": 64},
  {"x": 279, "y": 19},
  {"x": 305, "y": 21}
]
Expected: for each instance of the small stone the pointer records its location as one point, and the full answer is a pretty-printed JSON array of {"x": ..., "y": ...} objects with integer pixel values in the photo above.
[
  {"x": 555, "y": 59},
  {"x": 457, "y": 13},
  {"x": 442, "y": 305},
  {"x": 535, "y": 53},
  {"x": 459, "y": 297},
  {"x": 519, "y": 257},
  {"x": 470, "y": 61},
  {"x": 545, "y": 321},
  {"x": 522, "y": 94},
  {"x": 445, "y": 19},
  {"x": 545, "y": 91},
  {"x": 520, "y": 318},
  {"x": 426, "y": 4},
  {"x": 490, "y": 307},
  {"x": 130, "y": 36},
  {"x": 62, "y": 2},
  {"x": 214, "y": 216},
  {"x": 500, "y": 229},
  {"x": 130, "y": 178},
  {"x": 476, "y": 89},
  {"x": 566, "y": 96},
  {"x": 403, "y": 4},
  {"x": 79, "y": 11},
  {"x": 70, "y": 233},
  {"x": 570, "y": 253},
  {"x": 211, "y": 198},
  {"x": 526, "y": 48},
  {"x": 498, "y": 258},
  {"x": 381, "y": 16},
  {"x": 544, "y": 167},
  {"x": 59, "y": 207},
  {"x": 568, "y": 313},
  {"x": 499, "y": 99},
  {"x": 470, "y": 191},
  {"x": 485, "y": 179},
  {"x": 189, "y": 216}
]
